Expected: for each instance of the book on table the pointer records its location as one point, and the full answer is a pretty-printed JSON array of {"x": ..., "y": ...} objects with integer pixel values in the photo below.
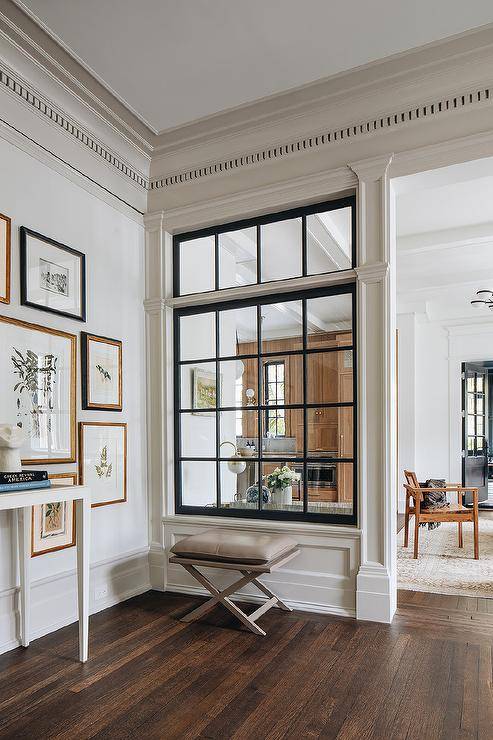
[
  {"x": 26, "y": 486},
  {"x": 23, "y": 476}
]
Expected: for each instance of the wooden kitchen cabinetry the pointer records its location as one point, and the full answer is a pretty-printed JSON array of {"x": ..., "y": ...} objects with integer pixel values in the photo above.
[{"x": 329, "y": 380}]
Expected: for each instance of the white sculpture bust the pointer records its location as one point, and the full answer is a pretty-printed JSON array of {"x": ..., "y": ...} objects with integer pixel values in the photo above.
[{"x": 11, "y": 440}]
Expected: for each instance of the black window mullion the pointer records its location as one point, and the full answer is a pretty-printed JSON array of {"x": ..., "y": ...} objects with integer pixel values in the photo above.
[
  {"x": 305, "y": 408},
  {"x": 259, "y": 255},
  {"x": 259, "y": 395},
  {"x": 218, "y": 404},
  {"x": 304, "y": 240}
]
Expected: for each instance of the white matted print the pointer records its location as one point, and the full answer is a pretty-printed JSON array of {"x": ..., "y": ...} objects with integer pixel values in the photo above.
[
  {"x": 5, "y": 225},
  {"x": 103, "y": 461},
  {"x": 53, "y": 276},
  {"x": 37, "y": 381},
  {"x": 53, "y": 525},
  {"x": 101, "y": 372}
]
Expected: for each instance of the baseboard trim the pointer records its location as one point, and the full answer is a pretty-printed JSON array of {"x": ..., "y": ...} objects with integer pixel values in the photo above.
[{"x": 302, "y": 606}]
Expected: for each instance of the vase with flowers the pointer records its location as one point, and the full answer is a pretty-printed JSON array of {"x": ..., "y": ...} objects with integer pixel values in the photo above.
[{"x": 280, "y": 483}]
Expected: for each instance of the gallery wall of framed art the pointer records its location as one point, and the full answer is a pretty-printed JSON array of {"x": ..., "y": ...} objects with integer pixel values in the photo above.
[{"x": 50, "y": 405}]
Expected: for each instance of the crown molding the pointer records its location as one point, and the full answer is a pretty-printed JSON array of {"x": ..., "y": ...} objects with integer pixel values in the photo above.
[
  {"x": 392, "y": 120},
  {"x": 15, "y": 85},
  {"x": 392, "y": 72},
  {"x": 37, "y": 42}
]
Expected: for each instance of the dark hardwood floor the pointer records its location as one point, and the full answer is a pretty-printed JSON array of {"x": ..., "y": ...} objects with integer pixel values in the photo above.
[{"x": 426, "y": 676}]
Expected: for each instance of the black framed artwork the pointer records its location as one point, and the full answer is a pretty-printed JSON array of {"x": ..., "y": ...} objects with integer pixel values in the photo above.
[
  {"x": 53, "y": 276},
  {"x": 101, "y": 361}
]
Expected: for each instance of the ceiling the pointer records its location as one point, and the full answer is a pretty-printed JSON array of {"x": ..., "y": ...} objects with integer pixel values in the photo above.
[
  {"x": 444, "y": 224},
  {"x": 173, "y": 62}
]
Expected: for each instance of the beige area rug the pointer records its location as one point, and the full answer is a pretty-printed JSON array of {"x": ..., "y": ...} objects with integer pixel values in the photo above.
[{"x": 444, "y": 568}]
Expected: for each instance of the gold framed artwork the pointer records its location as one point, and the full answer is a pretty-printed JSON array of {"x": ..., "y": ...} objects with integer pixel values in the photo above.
[
  {"x": 103, "y": 461},
  {"x": 101, "y": 361},
  {"x": 53, "y": 525},
  {"x": 38, "y": 382},
  {"x": 5, "y": 232}
]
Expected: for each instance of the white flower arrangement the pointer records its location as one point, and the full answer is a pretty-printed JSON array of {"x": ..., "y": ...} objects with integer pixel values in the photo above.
[{"x": 282, "y": 478}]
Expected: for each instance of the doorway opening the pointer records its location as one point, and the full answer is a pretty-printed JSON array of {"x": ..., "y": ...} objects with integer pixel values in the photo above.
[{"x": 444, "y": 251}]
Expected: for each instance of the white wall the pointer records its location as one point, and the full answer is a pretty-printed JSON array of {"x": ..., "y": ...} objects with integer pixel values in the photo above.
[
  {"x": 430, "y": 392},
  {"x": 36, "y": 196}
]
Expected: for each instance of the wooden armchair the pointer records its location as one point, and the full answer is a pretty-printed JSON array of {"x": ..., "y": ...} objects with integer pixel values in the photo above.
[{"x": 450, "y": 513}]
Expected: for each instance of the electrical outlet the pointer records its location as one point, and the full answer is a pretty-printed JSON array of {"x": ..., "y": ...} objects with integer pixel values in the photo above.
[{"x": 100, "y": 592}]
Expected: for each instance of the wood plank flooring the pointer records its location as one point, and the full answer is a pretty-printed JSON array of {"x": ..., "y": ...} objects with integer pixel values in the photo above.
[{"x": 426, "y": 676}]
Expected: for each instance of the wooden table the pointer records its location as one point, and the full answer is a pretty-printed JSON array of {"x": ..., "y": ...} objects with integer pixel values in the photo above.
[{"x": 20, "y": 503}]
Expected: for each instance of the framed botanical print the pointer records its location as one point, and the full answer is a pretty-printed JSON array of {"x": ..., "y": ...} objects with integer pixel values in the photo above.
[
  {"x": 5, "y": 227},
  {"x": 53, "y": 276},
  {"x": 37, "y": 382},
  {"x": 53, "y": 525},
  {"x": 101, "y": 360},
  {"x": 103, "y": 461}
]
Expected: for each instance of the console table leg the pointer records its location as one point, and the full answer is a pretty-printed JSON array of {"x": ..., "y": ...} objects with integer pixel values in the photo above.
[
  {"x": 83, "y": 521},
  {"x": 24, "y": 530}
]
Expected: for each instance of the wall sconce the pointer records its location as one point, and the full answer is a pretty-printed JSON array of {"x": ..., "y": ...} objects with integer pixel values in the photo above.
[
  {"x": 250, "y": 394},
  {"x": 235, "y": 464}
]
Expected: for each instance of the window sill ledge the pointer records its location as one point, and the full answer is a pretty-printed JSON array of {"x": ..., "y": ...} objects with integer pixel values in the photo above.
[{"x": 259, "y": 525}]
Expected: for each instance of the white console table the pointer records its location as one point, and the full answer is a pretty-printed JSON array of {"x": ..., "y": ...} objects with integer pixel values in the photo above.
[{"x": 20, "y": 502}]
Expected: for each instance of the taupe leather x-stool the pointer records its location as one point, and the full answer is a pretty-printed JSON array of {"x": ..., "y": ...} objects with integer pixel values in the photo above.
[{"x": 252, "y": 554}]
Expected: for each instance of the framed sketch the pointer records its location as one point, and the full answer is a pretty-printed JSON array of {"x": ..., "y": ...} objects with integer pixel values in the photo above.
[
  {"x": 53, "y": 525},
  {"x": 5, "y": 228},
  {"x": 204, "y": 391},
  {"x": 53, "y": 276},
  {"x": 101, "y": 360},
  {"x": 103, "y": 461},
  {"x": 37, "y": 381}
]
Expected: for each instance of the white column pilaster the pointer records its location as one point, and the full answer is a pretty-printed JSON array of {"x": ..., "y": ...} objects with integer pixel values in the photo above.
[
  {"x": 158, "y": 266},
  {"x": 376, "y": 587}
]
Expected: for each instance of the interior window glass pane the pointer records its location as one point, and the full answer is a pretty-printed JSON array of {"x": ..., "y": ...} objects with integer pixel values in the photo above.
[
  {"x": 282, "y": 432},
  {"x": 471, "y": 427},
  {"x": 283, "y": 494},
  {"x": 238, "y": 331},
  {"x": 330, "y": 432},
  {"x": 470, "y": 385},
  {"x": 480, "y": 445},
  {"x": 329, "y": 321},
  {"x": 330, "y": 488},
  {"x": 479, "y": 383},
  {"x": 197, "y": 260},
  {"x": 239, "y": 488},
  {"x": 245, "y": 442},
  {"x": 480, "y": 405},
  {"x": 480, "y": 425},
  {"x": 470, "y": 403},
  {"x": 281, "y": 249},
  {"x": 470, "y": 445},
  {"x": 282, "y": 380},
  {"x": 282, "y": 326},
  {"x": 198, "y": 435},
  {"x": 198, "y": 383},
  {"x": 197, "y": 336},
  {"x": 239, "y": 382},
  {"x": 238, "y": 258},
  {"x": 329, "y": 241},
  {"x": 329, "y": 377},
  {"x": 198, "y": 483}
]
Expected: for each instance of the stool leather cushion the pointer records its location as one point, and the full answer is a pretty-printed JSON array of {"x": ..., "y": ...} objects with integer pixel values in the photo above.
[{"x": 234, "y": 547}]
